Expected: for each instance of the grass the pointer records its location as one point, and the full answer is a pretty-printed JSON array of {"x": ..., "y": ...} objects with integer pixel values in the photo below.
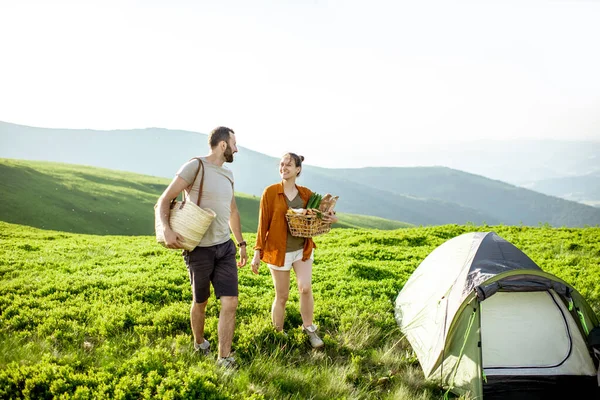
[{"x": 88, "y": 316}]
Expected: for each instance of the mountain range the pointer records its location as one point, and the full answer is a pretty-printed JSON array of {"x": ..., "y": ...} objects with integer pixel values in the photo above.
[{"x": 416, "y": 195}]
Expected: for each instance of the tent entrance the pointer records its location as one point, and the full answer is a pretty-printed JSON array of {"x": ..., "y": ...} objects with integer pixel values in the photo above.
[
  {"x": 524, "y": 330},
  {"x": 531, "y": 347}
]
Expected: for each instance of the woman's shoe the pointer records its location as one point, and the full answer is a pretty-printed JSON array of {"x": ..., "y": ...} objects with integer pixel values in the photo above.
[
  {"x": 227, "y": 362},
  {"x": 315, "y": 340}
]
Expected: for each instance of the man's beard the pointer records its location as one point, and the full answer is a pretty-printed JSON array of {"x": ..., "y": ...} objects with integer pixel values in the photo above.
[{"x": 228, "y": 154}]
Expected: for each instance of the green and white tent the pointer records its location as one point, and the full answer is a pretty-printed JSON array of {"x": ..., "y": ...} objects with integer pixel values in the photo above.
[{"x": 484, "y": 319}]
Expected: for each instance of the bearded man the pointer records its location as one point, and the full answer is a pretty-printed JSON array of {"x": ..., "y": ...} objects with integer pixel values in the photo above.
[{"x": 214, "y": 258}]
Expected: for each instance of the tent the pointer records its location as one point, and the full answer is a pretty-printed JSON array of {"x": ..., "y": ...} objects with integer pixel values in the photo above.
[{"x": 484, "y": 319}]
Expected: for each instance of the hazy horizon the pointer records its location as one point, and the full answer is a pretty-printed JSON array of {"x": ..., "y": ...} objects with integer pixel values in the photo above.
[
  {"x": 417, "y": 149},
  {"x": 567, "y": 169}
]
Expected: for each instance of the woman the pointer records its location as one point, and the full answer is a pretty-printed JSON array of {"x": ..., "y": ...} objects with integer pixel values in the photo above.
[{"x": 281, "y": 251}]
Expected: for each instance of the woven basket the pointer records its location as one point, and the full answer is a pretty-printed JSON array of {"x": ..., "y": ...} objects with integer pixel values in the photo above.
[
  {"x": 188, "y": 220},
  {"x": 309, "y": 225}
]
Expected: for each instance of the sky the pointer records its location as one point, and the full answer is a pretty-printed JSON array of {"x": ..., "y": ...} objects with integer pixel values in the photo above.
[{"x": 344, "y": 83}]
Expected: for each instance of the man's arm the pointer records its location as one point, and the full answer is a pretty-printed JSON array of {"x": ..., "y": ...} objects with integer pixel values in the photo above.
[
  {"x": 172, "y": 239},
  {"x": 235, "y": 224}
]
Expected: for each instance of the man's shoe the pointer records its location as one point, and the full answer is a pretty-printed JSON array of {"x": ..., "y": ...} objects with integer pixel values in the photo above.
[
  {"x": 315, "y": 340},
  {"x": 202, "y": 348},
  {"x": 227, "y": 362}
]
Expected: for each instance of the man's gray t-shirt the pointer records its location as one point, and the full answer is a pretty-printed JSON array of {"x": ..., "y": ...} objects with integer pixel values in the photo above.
[{"x": 217, "y": 194}]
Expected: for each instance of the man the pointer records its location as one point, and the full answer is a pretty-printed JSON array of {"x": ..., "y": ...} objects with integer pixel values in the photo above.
[{"x": 214, "y": 259}]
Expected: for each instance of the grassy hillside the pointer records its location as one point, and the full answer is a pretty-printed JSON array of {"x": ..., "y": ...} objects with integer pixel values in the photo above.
[
  {"x": 419, "y": 196},
  {"x": 88, "y": 317},
  {"x": 83, "y": 199}
]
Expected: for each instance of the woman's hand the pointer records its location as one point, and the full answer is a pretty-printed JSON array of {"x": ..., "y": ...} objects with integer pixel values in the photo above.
[
  {"x": 256, "y": 261},
  {"x": 330, "y": 217}
]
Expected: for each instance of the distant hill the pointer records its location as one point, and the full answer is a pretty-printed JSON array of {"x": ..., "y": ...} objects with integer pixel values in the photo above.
[
  {"x": 507, "y": 203},
  {"x": 582, "y": 188},
  {"x": 513, "y": 161},
  {"x": 83, "y": 199},
  {"x": 401, "y": 194},
  {"x": 160, "y": 152}
]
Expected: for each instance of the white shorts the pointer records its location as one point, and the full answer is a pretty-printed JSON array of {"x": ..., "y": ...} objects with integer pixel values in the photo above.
[{"x": 290, "y": 258}]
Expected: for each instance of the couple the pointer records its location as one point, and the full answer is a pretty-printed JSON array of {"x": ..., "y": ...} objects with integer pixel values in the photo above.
[{"x": 214, "y": 259}]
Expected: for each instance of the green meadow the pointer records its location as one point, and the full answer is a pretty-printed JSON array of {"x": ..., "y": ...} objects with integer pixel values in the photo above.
[{"x": 107, "y": 317}]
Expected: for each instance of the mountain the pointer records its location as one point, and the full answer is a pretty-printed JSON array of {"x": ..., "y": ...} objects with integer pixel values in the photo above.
[
  {"x": 507, "y": 203},
  {"x": 532, "y": 164},
  {"x": 445, "y": 196},
  {"x": 82, "y": 199},
  {"x": 582, "y": 188}
]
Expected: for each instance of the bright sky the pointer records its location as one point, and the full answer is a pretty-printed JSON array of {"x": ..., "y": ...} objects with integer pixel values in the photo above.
[{"x": 345, "y": 83}]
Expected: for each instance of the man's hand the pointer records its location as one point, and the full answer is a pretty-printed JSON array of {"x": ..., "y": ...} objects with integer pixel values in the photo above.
[
  {"x": 256, "y": 261},
  {"x": 173, "y": 240},
  {"x": 243, "y": 257}
]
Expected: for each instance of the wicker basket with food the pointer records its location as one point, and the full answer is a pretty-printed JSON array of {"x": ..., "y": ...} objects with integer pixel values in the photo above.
[{"x": 308, "y": 222}]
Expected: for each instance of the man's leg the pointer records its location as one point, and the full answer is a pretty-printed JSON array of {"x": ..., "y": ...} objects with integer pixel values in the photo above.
[
  {"x": 227, "y": 324},
  {"x": 225, "y": 283},
  {"x": 200, "y": 268},
  {"x": 197, "y": 316}
]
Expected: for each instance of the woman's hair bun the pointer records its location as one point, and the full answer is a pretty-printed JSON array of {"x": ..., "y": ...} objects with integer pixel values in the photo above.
[{"x": 302, "y": 158}]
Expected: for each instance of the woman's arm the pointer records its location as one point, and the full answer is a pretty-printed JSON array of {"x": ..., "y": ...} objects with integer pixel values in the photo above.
[{"x": 264, "y": 222}]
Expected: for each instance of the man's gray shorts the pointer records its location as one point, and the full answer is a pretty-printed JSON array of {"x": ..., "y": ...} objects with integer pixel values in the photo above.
[{"x": 216, "y": 264}]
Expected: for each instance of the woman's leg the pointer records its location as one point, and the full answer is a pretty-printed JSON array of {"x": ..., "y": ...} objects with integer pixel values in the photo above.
[
  {"x": 281, "y": 281},
  {"x": 303, "y": 271}
]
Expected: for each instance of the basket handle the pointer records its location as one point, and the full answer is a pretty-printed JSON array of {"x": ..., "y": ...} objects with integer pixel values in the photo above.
[
  {"x": 184, "y": 199},
  {"x": 200, "y": 164}
]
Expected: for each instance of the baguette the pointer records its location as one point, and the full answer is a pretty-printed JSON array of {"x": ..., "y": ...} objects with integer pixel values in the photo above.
[
  {"x": 332, "y": 203},
  {"x": 325, "y": 202}
]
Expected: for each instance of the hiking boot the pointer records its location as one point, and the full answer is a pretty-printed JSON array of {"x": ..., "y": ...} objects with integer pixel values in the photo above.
[
  {"x": 202, "y": 348},
  {"x": 227, "y": 362},
  {"x": 315, "y": 340}
]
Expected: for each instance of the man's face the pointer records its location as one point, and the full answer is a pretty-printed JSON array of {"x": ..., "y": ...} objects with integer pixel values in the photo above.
[{"x": 231, "y": 149}]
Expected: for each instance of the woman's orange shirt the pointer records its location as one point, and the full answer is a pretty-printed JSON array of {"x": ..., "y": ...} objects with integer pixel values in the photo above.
[{"x": 271, "y": 237}]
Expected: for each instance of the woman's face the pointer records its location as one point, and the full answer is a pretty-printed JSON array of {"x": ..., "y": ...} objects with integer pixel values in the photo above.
[{"x": 287, "y": 168}]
